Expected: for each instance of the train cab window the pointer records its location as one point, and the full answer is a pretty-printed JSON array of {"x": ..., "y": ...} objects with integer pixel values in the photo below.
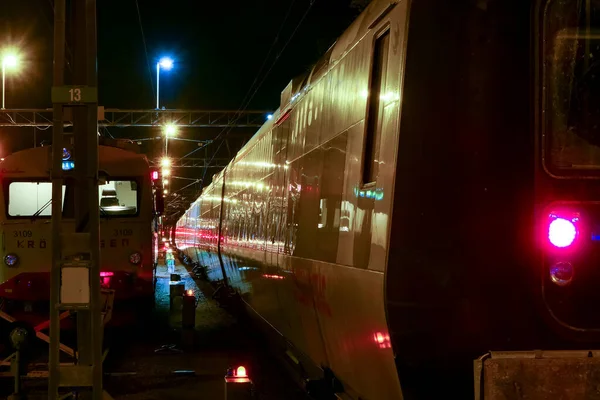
[
  {"x": 118, "y": 198},
  {"x": 27, "y": 199},
  {"x": 374, "y": 112},
  {"x": 572, "y": 78},
  {"x": 34, "y": 199}
]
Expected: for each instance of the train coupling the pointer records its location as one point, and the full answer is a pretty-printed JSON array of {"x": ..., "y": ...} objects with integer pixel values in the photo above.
[
  {"x": 537, "y": 375},
  {"x": 238, "y": 385}
]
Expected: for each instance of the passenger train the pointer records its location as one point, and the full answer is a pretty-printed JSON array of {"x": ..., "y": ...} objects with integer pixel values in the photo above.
[
  {"x": 427, "y": 192},
  {"x": 126, "y": 214}
]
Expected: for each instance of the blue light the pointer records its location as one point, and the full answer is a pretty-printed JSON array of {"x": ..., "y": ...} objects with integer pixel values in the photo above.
[
  {"x": 376, "y": 194},
  {"x": 166, "y": 63},
  {"x": 68, "y": 165},
  {"x": 66, "y": 154},
  {"x": 11, "y": 260},
  {"x": 270, "y": 116}
]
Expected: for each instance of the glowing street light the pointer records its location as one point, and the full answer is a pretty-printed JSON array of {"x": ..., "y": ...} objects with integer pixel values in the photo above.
[
  {"x": 165, "y": 162},
  {"x": 8, "y": 61},
  {"x": 166, "y": 172},
  {"x": 165, "y": 63},
  {"x": 169, "y": 130}
]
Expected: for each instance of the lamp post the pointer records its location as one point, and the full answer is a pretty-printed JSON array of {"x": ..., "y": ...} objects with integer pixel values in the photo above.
[
  {"x": 165, "y": 63},
  {"x": 8, "y": 61},
  {"x": 169, "y": 130}
]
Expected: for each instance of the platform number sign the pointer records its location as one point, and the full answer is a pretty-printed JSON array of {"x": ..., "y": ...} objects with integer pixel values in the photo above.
[{"x": 74, "y": 95}]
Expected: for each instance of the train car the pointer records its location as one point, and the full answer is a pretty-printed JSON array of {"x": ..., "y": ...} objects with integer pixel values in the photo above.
[
  {"x": 126, "y": 214},
  {"x": 426, "y": 193}
]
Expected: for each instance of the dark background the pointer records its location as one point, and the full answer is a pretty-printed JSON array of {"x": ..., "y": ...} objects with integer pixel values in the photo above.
[{"x": 218, "y": 48}]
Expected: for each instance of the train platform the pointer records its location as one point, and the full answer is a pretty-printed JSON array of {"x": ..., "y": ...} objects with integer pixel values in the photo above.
[{"x": 152, "y": 361}]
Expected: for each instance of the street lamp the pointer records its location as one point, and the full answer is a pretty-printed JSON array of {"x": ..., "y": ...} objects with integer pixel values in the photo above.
[
  {"x": 166, "y": 63},
  {"x": 8, "y": 61},
  {"x": 169, "y": 130},
  {"x": 165, "y": 162}
]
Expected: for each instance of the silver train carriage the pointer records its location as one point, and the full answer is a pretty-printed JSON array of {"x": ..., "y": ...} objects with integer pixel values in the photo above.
[
  {"x": 428, "y": 192},
  {"x": 126, "y": 212}
]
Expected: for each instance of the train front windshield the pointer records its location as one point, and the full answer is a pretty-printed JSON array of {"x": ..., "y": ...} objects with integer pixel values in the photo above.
[
  {"x": 34, "y": 199},
  {"x": 572, "y": 82}
]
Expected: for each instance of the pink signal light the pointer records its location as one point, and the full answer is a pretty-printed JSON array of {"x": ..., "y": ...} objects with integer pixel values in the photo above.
[{"x": 562, "y": 232}]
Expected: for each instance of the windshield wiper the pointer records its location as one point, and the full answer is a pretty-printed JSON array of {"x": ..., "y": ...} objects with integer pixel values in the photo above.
[
  {"x": 41, "y": 210},
  {"x": 104, "y": 213}
]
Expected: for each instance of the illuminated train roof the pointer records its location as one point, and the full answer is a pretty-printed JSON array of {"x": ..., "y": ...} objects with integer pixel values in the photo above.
[
  {"x": 36, "y": 162},
  {"x": 300, "y": 85}
]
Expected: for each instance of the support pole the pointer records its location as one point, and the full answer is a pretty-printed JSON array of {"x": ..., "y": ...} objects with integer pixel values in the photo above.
[
  {"x": 76, "y": 256},
  {"x": 87, "y": 218},
  {"x": 3, "y": 82},
  {"x": 57, "y": 138}
]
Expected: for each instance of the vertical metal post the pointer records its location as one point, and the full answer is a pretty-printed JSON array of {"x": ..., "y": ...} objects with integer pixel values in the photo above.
[
  {"x": 18, "y": 372},
  {"x": 157, "y": 84},
  {"x": 87, "y": 218},
  {"x": 221, "y": 213},
  {"x": 93, "y": 201},
  {"x": 88, "y": 377},
  {"x": 56, "y": 171},
  {"x": 3, "y": 81},
  {"x": 588, "y": 16}
]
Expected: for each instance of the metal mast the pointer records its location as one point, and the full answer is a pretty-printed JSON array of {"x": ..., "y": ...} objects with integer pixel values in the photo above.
[{"x": 75, "y": 278}]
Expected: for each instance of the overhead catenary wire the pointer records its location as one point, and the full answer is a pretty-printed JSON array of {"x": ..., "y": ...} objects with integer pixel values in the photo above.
[
  {"x": 226, "y": 131},
  {"x": 275, "y": 40},
  {"x": 145, "y": 49}
]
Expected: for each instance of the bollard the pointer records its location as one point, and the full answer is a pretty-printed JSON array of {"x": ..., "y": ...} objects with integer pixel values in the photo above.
[
  {"x": 238, "y": 385},
  {"x": 18, "y": 338},
  {"x": 188, "y": 318},
  {"x": 176, "y": 289},
  {"x": 188, "y": 312}
]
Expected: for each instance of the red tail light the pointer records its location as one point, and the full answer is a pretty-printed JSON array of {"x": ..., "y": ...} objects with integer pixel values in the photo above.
[
  {"x": 154, "y": 175},
  {"x": 562, "y": 232}
]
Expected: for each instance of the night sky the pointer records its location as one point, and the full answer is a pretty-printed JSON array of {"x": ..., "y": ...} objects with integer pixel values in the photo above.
[{"x": 218, "y": 48}]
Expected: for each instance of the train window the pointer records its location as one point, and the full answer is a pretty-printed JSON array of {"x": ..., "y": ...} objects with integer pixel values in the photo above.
[
  {"x": 374, "y": 111},
  {"x": 572, "y": 79},
  {"x": 118, "y": 198},
  {"x": 27, "y": 199}
]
